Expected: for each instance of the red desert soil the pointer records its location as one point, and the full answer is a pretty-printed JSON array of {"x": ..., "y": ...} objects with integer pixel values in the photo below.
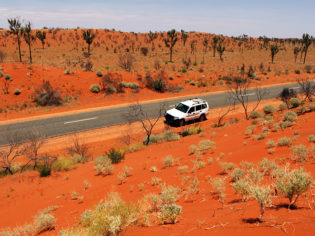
[{"x": 23, "y": 195}]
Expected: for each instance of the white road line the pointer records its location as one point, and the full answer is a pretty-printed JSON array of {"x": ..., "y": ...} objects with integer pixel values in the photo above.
[
  {"x": 75, "y": 121},
  {"x": 249, "y": 94}
]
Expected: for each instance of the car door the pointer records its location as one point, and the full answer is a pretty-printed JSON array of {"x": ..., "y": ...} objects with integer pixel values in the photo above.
[
  {"x": 191, "y": 113},
  {"x": 198, "y": 111}
]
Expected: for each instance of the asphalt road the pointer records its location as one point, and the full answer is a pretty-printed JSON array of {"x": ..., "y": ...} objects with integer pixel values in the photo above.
[{"x": 57, "y": 126}]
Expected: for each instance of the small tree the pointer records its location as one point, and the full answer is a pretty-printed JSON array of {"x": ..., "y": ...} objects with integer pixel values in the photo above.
[
  {"x": 294, "y": 183},
  {"x": 184, "y": 37},
  {"x": 148, "y": 121},
  {"x": 28, "y": 37},
  {"x": 8, "y": 156},
  {"x": 170, "y": 41},
  {"x": 41, "y": 35},
  {"x": 78, "y": 147},
  {"x": 15, "y": 28},
  {"x": 46, "y": 95},
  {"x": 126, "y": 61},
  {"x": 88, "y": 36},
  {"x": 221, "y": 50},
  {"x": 296, "y": 51},
  {"x": 229, "y": 106},
  {"x": 307, "y": 88},
  {"x": 274, "y": 49},
  {"x": 306, "y": 41},
  {"x": 214, "y": 44},
  {"x": 205, "y": 47},
  {"x": 152, "y": 36},
  {"x": 240, "y": 93},
  {"x": 262, "y": 195}
]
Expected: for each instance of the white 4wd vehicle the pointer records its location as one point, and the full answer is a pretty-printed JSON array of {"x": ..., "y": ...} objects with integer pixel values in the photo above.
[{"x": 188, "y": 110}]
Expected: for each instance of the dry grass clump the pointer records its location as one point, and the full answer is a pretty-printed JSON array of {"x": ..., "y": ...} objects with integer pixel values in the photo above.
[
  {"x": 218, "y": 185},
  {"x": 290, "y": 116},
  {"x": 226, "y": 166},
  {"x": 169, "y": 213},
  {"x": 300, "y": 153},
  {"x": 155, "y": 181},
  {"x": 103, "y": 165},
  {"x": 237, "y": 174},
  {"x": 168, "y": 161},
  {"x": 64, "y": 164},
  {"x": 169, "y": 194},
  {"x": 285, "y": 141},
  {"x": 242, "y": 187},
  {"x": 206, "y": 144},
  {"x": 311, "y": 138}
]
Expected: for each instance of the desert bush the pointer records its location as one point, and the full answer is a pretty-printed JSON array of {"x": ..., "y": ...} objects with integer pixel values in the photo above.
[
  {"x": 64, "y": 164},
  {"x": 46, "y": 95},
  {"x": 269, "y": 109},
  {"x": 246, "y": 165},
  {"x": 249, "y": 130},
  {"x": 262, "y": 195},
  {"x": 267, "y": 166},
  {"x": 270, "y": 143},
  {"x": 191, "y": 130},
  {"x": 293, "y": 183},
  {"x": 79, "y": 158},
  {"x": 86, "y": 217},
  {"x": 44, "y": 170},
  {"x": 126, "y": 61},
  {"x": 311, "y": 107},
  {"x": 285, "y": 124},
  {"x": 103, "y": 165},
  {"x": 153, "y": 139},
  {"x": 242, "y": 187},
  {"x": 153, "y": 169},
  {"x": 283, "y": 106},
  {"x": 301, "y": 110},
  {"x": 226, "y": 166},
  {"x": 111, "y": 83},
  {"x": 17, "y": 92},
  {"x": 169, "y": 194},
  {"x": 206, "y": 144},
  {"x": 285, "y": 141},
  {"x": 169, "y": 213},
  {"x": 144, "y": 51},
  {"x": 255, "y": 115},
  {"x": 254, "y": 176},
  {"x": 112, "y": 216},
  {"x": 44, "y": 221},
  {"x": 95, "y": 88},
  {"x": 295, "y": 102},
  {"x": 155, "y": 181},
  {"x": 290, "y": 116},
  {"x": 115, "y": 155},
  {"x": 237, "y": 174},
  {"x": 311, "y": 138},
  {"x": 300, "y": 153},
  {"x": 218, "y": 185},
  {"x": 170, "y": 135},
  {"x": 99, "y": 73},
  {"x": 168, "y": 161},
  {"x": 183, "y": 169},
  {"x": 261, "y": 136}
]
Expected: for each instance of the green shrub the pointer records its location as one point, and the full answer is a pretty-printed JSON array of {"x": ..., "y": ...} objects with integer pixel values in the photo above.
[
  {"x": 311, "y": 138},
  {"x": 242, "y": 187},
  {"x": 110, "y": 89},
  {"x": 269, "y": 109},
  {"x": 168, "y": 161},
  {"x": 44, "y": 221},
  {"x": 153, "y": 139},
  {"x": 191, "y": 130},
  {"x": 283, "y": 106},
  {"x": 285, "y": 124},
  {"x": 297, "y": 72},
  {"x": 226, "y": 166},
  {"x": 79, "y": 159},
  {"x": 169, "y": 213},
  {"x": 311, "y": 107},
  {"x": 64, "y": 164},
  {"x": 285, "y": 141},
  {"x": 262, "y": 195},
  {"x": 254, "y": 176},
  {"x": 271, "y": 143},
  {"x": 95, "y": 88},
  {"x": 17, "y": 92},
  {"x": 301, "y": 110},
  {"x": 169, "y": 194},
  {"x": 300, "y": 153},
  {"x": 170, "y": 135},
  {"x": 290, "y": 116},
  {"x": 255, "y": 115},
  {"x": 295, "y": 102},
  {"x": 237, "y": 174},
  {"x": 206, "y": 144},
  {"x": 8, "y": 77},
  {"x": 115, "y": 155},
  {"x": 44, "y": 170},
  {"x": 292, "y": 184},
  {"x": 268, "y": 166},
  {"x": 99, "y": 73},
  {"x": 103, "y": 165}
]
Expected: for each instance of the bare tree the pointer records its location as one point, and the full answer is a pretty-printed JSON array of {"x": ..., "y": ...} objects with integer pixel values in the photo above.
[
  {"x": 34, "y": 141},
  {"x": 148, "y": 122},
  {"x": 307, "y": 88},
  {"x": 240, "y": 92},
  {"x": 229, "y": 105},
  {"x": 9, "y": 155},
  {"x": 78, "y": 147},
  {"x": 126, "y": 61}
]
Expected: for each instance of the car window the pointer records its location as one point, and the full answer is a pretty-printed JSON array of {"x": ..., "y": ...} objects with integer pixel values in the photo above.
[
  {"x": 192, "y": 109},
  {"x": 182, "y": 107},
  {"x": 198, "y": 108},
  {"x": 204, "y": 106}
]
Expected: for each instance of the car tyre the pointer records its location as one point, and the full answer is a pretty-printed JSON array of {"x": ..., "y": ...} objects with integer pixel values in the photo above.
[
  {"x": 182, "y": 122},
  {"x": 202, "y": 118}
]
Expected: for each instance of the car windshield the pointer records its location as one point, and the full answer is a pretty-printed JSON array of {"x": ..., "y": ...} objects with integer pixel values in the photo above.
[{"x": 182, "y": 107}]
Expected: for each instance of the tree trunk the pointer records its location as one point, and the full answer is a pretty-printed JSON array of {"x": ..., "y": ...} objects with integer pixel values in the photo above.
[
  {"x": 171, "y": 54},
  {"x": 88, "y": 49},
  {"x": 305, "y": 56},
  {"x": 19, "y": 45},
  {"x": 30, "y": 51}
]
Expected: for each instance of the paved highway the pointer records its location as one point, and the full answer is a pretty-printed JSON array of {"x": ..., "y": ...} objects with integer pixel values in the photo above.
[{"x": 56, "y": 126}]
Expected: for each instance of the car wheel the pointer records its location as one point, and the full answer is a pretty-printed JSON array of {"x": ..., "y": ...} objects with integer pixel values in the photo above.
[
  {"x": 202, "y": 117},
  {"x": 182, "y": 122}
]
